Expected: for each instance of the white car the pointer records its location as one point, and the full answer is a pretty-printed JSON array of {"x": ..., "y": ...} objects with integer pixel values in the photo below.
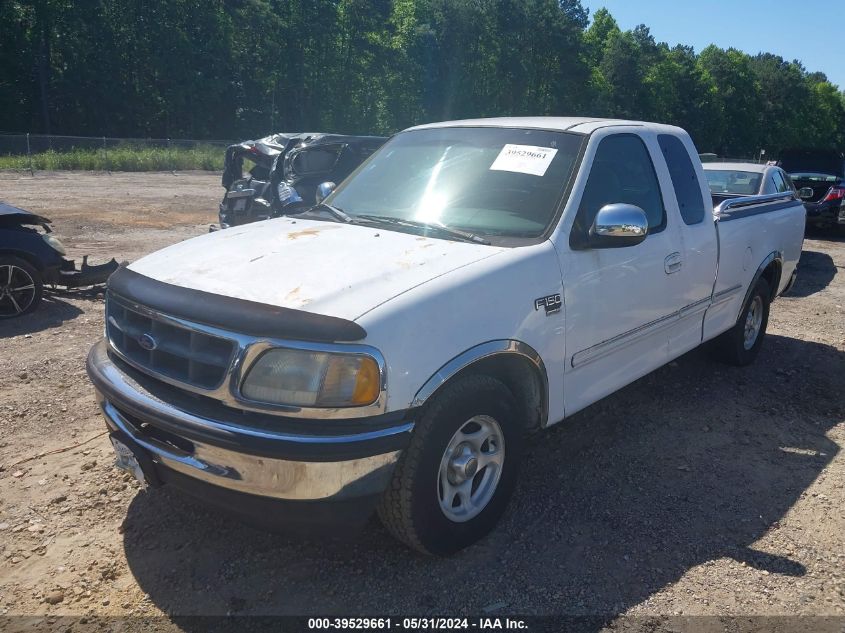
[
  {"x": 734, "y": 179},
  {"x": 471, "y": 282}
]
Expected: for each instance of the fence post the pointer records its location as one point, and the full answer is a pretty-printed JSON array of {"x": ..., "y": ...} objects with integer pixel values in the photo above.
[
  {"x": 105, "y": 156},
  {"x": 29, "y": 155}
]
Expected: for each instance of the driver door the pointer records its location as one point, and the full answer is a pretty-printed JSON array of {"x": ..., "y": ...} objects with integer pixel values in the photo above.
[{"x": 619, "y": 301}]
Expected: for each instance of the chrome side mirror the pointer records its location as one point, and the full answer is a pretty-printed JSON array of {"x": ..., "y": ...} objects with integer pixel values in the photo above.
[
  {"x": 323, "y": 191},
  {"x": 805, "y": 193},
  {"x": 618, "y": 225}
]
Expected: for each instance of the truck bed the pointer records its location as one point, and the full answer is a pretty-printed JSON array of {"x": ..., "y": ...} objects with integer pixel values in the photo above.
[{"x": 745, "y": 240}]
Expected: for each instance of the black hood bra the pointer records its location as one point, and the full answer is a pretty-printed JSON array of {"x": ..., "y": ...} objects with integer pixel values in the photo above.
[{"x": 240, "y": 316}]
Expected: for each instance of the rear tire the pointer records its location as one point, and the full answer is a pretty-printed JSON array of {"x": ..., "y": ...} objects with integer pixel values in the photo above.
[
  {"x": 454, "y": 481},
  {"x": 21, "y": 287},
  {"x": 741, "y": 344}
]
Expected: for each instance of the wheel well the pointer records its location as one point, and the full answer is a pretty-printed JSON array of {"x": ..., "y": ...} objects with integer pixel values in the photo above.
[
  {"x": 522, "y": 377},
  {"x": 772, "y": 274},
  {"x": 27, "y": 257}
]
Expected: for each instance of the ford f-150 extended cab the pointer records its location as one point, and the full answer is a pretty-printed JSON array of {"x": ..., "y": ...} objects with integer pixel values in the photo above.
[{"x": 390, "y": 348}]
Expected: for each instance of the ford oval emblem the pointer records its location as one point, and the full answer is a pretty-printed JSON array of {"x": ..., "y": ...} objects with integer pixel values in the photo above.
[{"x": 147, "y": 342}]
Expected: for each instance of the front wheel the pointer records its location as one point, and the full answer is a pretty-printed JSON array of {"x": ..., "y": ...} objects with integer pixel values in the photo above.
[
  {"x": 741, "y": 344},
  {"x": 453, "y": 482},
  {"x": 21, "y": 287}
]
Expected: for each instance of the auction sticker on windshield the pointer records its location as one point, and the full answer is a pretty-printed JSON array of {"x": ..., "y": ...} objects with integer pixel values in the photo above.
[{"x": 524, "y": 159}]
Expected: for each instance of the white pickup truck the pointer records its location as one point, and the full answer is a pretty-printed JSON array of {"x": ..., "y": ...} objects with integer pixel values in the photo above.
[{"x": 471, "y": 282}]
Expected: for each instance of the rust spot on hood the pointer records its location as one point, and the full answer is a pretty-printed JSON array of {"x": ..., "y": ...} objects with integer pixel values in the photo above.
[
  {"x": 314, "y": 230},
  {"x": 294, "y": 295},
  {"x": 304, "y": 233}
]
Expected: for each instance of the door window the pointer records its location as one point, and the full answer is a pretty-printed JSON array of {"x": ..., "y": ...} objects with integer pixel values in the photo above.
[{"x": 622, "y": 172}]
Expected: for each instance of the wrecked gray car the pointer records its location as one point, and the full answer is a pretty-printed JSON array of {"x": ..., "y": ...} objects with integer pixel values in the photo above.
[{"x": 287, "y": 168}]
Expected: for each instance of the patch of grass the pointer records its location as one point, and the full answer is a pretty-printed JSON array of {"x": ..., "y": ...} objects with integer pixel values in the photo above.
[{"x": 122, "y": 158}]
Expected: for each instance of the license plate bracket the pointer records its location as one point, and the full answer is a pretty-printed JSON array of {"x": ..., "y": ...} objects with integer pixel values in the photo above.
[{"x": 125, "y": 460}]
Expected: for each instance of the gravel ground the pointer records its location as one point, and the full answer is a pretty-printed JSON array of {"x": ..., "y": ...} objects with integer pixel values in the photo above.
[{"x": 700, "y": 489}]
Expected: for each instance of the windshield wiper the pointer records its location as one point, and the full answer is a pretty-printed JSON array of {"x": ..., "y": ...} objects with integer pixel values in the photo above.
[
  {"x": 339, "y": 214},
  {"x": 464, "y": 236}
]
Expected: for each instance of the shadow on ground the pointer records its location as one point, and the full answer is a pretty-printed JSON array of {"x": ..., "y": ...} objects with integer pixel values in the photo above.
[
  {"x": 815, "y": 272},
  {"x": 54, "y": 311},
  {"x": 694, "y": 462}
]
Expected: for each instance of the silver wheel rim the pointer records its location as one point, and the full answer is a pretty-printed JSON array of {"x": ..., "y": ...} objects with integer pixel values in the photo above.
[
  {"x": 470, "y": 468},
  {"x": 17, "y": 290},
  {"x": 753, "y": 321}
]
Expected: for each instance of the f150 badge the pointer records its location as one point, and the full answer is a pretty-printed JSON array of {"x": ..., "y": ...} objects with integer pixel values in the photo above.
[{"x": 551, "y": 303}]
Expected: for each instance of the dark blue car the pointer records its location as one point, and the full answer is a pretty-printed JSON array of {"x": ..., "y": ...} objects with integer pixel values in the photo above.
[{"x": 31, "y": 257}]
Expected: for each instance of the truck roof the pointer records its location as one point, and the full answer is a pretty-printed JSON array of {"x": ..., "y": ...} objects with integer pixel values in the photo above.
[{"x": 583, "y": 125}]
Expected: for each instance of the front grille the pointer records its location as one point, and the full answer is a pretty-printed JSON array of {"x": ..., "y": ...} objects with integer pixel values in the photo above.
[{"x": 172, "y": 351}]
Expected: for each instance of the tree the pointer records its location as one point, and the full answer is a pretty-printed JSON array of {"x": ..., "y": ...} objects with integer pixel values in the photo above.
[{"x": 244, "y": 68}]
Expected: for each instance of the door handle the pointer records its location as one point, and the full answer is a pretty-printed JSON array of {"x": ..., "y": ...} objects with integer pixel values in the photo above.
[{"x": 672, "y": 263}]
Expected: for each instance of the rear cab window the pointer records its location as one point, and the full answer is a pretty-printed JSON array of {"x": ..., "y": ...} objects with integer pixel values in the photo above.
[{"x": 684, "y": 178}]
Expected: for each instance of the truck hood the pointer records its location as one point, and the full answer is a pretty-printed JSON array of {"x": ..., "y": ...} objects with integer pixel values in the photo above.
[{"x": 328, "y": 268}]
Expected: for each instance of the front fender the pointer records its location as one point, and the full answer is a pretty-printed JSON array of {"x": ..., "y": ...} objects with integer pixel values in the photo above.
[{"x": 431, "y": 332}]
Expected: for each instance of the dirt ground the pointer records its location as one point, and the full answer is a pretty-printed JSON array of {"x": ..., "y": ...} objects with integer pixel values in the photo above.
[{"x": 699, "y": 490}]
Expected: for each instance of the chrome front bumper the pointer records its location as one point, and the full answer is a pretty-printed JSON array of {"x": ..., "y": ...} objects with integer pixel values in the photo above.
[{"x": 244, "y": 459}]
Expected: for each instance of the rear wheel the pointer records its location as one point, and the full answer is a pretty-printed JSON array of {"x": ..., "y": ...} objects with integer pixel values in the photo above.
[
  {"x": 453, "y": 482},
  {"x": 21, "y": 287},
  {"x": 741, "y": 344}
]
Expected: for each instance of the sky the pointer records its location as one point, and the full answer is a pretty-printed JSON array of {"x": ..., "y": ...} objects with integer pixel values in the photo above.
[{"x": 810, "y": 31}]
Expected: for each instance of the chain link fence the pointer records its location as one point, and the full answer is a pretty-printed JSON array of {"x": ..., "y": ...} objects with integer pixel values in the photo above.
[
  {"x": 50, "y": 152},
  {"x": 37, "y": 152}
]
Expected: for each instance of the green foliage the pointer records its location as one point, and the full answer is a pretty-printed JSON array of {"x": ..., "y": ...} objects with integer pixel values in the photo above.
[
  {"x": 244, "y": 68},
  {"x": 123, "y": 158}
]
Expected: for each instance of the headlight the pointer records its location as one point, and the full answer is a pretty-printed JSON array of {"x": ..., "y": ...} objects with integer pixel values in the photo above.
[
  {"x": 54, "y": 243},
  {"x": 302, "y": 378}
]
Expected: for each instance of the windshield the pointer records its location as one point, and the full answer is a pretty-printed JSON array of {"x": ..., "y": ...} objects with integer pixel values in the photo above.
[
  {"x": 485, "y": 181},
  {"x": 733, "y": 181}
]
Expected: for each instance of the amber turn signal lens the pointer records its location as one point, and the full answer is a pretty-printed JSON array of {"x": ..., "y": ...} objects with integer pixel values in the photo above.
[{"x": 367, "y": 383}]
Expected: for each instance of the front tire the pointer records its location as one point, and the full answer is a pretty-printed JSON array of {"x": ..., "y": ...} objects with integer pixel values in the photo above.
[
  {"x": 21, "y": 287},
  {"x": 741, "y": 344},
  {"x": 454, "y": 481}
]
